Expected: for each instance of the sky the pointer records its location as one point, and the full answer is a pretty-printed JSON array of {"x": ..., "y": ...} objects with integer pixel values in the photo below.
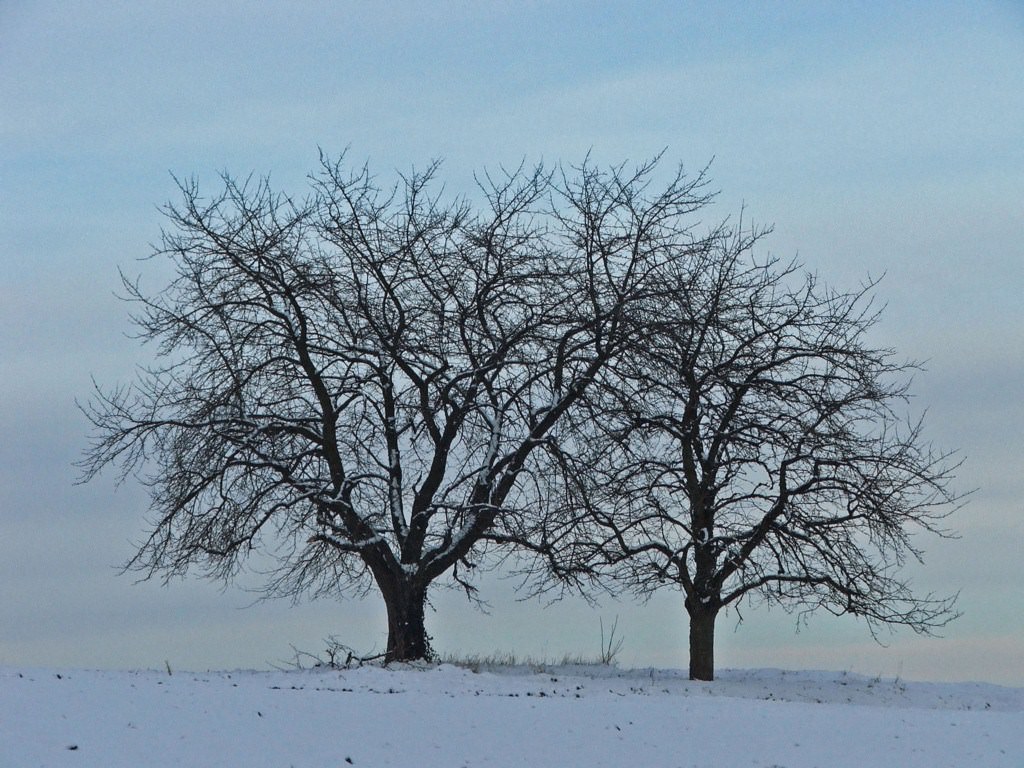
[{"x": 877, "y": 138}]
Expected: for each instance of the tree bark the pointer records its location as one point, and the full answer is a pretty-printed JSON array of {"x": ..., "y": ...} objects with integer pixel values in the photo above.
[
  {"x": 407, "y": 633},
  {"x": 702, "y": 642}
]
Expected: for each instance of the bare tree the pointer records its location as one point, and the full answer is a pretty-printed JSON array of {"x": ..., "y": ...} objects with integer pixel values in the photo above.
[
  {"x": 368, "y": 386},
  {"x": 754, "y": 448}
]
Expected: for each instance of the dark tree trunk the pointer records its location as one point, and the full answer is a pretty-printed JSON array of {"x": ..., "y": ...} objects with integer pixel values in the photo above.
[
  {"x": 407, "y": 633},
  {"x": 702, "y": 642}
]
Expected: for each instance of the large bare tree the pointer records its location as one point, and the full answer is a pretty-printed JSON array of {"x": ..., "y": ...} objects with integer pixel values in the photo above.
[
  {"x": 369, "y": 385},
  {"x": 756, "y": 447}
]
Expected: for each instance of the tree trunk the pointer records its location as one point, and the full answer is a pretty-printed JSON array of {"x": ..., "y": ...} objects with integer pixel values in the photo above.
[
  {"x": 407, "y": 633},
  {"x": 702, "y": 642}
]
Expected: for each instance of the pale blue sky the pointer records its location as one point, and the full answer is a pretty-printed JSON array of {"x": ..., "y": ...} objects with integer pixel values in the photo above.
[{"x": 877, "y": 137}]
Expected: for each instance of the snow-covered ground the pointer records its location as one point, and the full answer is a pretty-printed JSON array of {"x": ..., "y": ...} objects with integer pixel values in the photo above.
[{"x": 450, "y": 716}]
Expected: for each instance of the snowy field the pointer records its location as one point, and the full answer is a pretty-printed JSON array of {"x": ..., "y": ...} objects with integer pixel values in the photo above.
[{"x": 450, "y": 716}]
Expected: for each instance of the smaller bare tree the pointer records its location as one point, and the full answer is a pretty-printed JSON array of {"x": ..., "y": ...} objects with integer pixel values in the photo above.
[{"x": 753, "y": 449}]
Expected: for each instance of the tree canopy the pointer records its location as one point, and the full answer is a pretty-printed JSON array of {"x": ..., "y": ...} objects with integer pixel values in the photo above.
[{"x": 384, "y": 386}]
